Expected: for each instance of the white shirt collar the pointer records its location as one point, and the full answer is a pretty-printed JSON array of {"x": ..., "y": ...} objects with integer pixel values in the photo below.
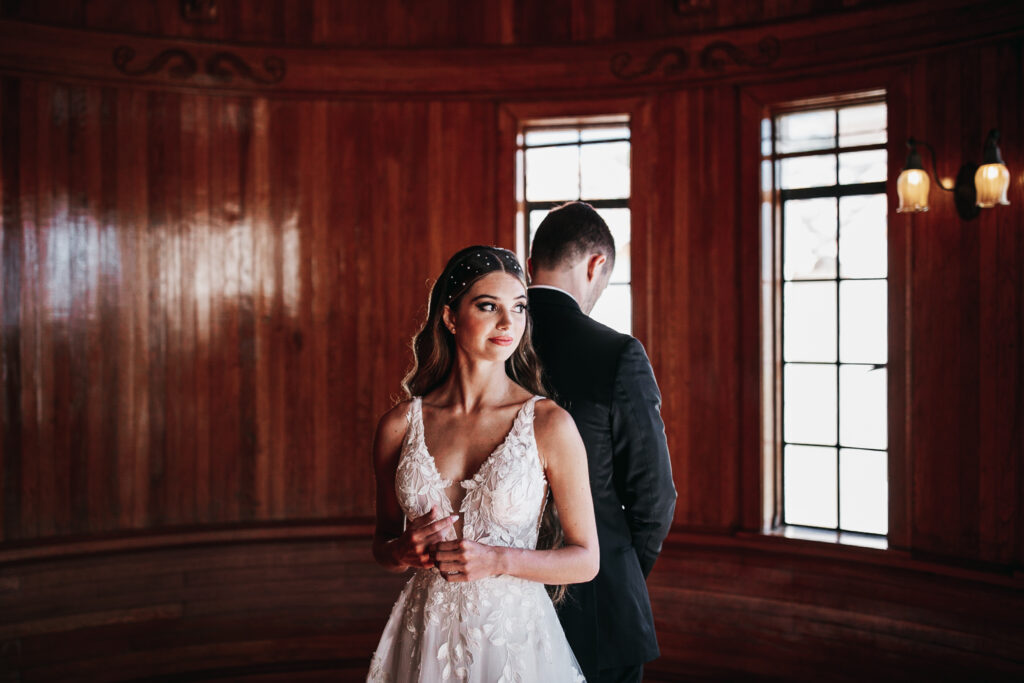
[{"x": 557, "y": 289}]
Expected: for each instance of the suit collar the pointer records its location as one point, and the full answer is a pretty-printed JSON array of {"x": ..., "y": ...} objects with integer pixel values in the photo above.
[{"x": 550, "y": 296}]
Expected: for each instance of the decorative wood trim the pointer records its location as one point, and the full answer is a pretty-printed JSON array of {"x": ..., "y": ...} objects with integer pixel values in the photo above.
[
  {"x": 217, "y": 66},
  {"x": 185, "y": 68},
  {"x": 64, "y": 548},
  {"x": 768, "y": 50},
  {"x": 811, "y": 45},
  {"x": 681, "y": 544},
  {"x": 676, "y": 57},
  {"x": 221, "y": 66}
]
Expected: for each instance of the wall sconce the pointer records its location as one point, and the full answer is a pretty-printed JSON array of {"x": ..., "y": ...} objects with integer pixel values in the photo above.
[{"x": 975, "y": 187}]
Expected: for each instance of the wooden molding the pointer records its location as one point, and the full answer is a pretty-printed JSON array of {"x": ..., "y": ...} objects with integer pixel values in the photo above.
[
  {"x": 857, "y": 37},
  {"x": 63, "y": 548}
]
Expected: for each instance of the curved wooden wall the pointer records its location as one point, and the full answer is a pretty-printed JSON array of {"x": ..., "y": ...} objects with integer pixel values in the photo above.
[{"x": 214, "y": 252}]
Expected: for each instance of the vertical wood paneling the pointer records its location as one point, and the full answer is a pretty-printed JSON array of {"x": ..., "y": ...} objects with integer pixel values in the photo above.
[
  {"x": 208, "y": 300},
  {"x": 10, "y": 342},
  {"x": 1001, "y": 324},
  {"x": 694, "y": 322}
]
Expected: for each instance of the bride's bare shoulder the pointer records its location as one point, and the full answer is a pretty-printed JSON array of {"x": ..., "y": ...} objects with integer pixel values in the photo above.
[
  {"x": 392, "y": 424},
  {"x": 552, "y": 422}
]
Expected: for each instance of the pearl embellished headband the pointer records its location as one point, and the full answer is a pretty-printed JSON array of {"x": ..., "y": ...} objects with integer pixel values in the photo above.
[{"x": 479, "y": 260}]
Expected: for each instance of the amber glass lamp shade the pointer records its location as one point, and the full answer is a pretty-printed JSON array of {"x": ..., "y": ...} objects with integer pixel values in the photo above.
[
  {"x": 913, "y": 184},
  {"x": 992, "y": 179},
  {"x": 991, "y": 183},
  {"x": 912, "y": 188}
]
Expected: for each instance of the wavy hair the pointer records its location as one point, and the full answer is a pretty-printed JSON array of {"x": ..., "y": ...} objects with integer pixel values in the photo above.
[
  {"x": 433, "y": 347},
  {"x": 433, "y": 352}
]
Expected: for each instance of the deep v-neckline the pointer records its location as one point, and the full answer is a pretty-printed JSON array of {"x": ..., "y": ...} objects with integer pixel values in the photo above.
[{"x": 445, "y": 483}]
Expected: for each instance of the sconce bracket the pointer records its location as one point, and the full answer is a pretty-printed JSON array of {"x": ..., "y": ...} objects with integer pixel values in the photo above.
[{"x": 964, "y": 195}]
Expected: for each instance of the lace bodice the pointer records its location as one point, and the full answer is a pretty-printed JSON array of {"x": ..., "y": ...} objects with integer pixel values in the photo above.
[{"x": 503, "y": 500}]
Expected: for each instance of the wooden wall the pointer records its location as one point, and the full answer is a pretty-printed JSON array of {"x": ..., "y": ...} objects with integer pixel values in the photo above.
[
  {"x": 208, "y": 288},
  {"x": 208, "y": 300},
  {"x": 440, "y": 23}
]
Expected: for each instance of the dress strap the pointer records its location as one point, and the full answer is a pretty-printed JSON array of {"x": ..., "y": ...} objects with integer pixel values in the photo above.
[
  {"x": 524, "y": 422},
  {"x": 414, "y": 416}
]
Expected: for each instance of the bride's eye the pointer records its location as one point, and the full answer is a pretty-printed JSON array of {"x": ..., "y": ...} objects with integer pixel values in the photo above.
[
  {"x": 485, "y": 306},
  {"x": 519, "y": 308}
]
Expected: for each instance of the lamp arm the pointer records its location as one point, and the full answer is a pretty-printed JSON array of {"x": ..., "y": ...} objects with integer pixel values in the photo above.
[{"x": 935, "y": 168}]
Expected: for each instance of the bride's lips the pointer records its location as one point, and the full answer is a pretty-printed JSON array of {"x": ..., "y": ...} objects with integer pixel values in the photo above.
[{"x": 501, "y": 341}]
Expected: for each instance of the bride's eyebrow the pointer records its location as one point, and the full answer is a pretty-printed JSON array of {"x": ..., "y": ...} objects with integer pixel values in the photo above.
[{"x": 491, "y": 296}]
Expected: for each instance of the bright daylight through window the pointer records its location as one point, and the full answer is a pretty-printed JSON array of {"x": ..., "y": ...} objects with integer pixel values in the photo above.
[
  {"x": 826, "y": 170},
  {"x": 587, "y": 162}
]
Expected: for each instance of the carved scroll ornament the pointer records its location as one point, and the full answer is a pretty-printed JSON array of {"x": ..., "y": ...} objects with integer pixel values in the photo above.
[
  {"x": 676, "y": 58},
  {"x": 711, "y": 57},
  {"x": 221, "y": 66},
  {"x": 714, "y": 57}
]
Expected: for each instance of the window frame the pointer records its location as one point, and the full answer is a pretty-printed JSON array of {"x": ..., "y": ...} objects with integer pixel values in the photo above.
[
  {"x": 761, "y": 480},
  {"x": 780, "y": 197},
  {"x": 513, "y": 117}
]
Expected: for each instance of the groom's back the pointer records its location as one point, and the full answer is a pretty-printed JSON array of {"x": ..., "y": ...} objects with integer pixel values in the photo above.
[{"x": 608, "y": 621}]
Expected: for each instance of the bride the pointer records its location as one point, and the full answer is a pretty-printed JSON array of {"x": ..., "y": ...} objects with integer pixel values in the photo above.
[{"x": 463, "y": 472}]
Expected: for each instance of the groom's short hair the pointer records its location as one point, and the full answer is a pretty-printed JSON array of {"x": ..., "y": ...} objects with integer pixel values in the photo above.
[{"x": 570, "y": 232}]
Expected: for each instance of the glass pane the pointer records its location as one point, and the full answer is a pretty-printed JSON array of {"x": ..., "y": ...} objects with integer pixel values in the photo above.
[
  {"x": 766, "y": 137},
  {"x": 548, "y": 136},
  {"x": 862, "y": 321},
  {"x": 609, "y": 133},
  {"x": 604, "y": 170},
  {"x": 806, "y": 131},
  {"x": 862, "y": 125},
  {"x": 809, "y": 404},
  {"x": 862, "y": 167},
  {"x": 552, "y": 174},
  {"x": 810, "y": 239},
  {"x": 863, "y": 245},
  {"x": 809, "y": 321},
  {"x": 809, "y": 486},
  {"x": 864, "y": 491},
  {"x": 862, "y": 407},
  {"x": 615, "y": 308},
  {"x": 618, "y": 223},
  {"x": 816, "y": 171}
]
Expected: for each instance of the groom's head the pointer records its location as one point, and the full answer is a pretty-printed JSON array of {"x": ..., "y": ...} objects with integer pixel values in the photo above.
[{"x": 574, "y": 250}]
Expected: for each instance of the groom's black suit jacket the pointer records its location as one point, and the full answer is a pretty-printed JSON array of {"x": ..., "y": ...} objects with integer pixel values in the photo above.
[{"x": 605, "y": 381}]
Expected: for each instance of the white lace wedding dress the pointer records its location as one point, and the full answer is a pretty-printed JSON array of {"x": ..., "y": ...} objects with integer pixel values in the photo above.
[{"x": 495, "y": 630}]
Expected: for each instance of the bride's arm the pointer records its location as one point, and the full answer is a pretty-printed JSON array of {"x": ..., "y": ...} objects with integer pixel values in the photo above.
[
  {"x": 565, "y": 460},
  {"x": 397, "y": 545}
]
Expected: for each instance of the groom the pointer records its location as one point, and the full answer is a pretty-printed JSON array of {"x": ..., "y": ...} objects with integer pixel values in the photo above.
[{"x": 605, "y": 381}]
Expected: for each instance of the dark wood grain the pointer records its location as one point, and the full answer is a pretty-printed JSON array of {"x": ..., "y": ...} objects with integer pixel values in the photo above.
[
  {"x": 867, "y": 36},
  {"x": 397, "y": 24}
]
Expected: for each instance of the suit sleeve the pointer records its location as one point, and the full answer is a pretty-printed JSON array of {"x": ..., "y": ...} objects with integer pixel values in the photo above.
[{"x": 643, "y": 470}]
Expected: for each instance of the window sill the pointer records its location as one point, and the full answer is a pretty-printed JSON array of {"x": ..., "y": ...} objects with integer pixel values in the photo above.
[{"x": 804, "y": 533}]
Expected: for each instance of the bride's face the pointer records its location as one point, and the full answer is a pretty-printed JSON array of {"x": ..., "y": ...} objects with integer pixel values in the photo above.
[{"x": 490, "y": 318}]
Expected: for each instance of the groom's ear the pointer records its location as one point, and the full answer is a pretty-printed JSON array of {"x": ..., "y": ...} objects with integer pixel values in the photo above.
[
  {"x": 594, "y": 264},
  {"x": 529, "y": 267}
]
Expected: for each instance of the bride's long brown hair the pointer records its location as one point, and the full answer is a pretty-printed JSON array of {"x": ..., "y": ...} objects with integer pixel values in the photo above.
[{"x": 433, "y": 351}]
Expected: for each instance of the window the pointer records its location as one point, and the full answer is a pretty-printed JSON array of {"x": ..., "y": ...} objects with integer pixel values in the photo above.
[
  {"x": 825, "y": 171},
  {"x": 587, "y": 161}
]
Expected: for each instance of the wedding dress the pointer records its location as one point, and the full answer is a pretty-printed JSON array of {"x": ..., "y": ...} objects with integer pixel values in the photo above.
[{"x": 495, "y": 630}]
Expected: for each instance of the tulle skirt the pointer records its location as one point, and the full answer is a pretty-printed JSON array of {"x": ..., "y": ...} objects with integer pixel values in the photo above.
[{"x": 496, "y": 630}]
